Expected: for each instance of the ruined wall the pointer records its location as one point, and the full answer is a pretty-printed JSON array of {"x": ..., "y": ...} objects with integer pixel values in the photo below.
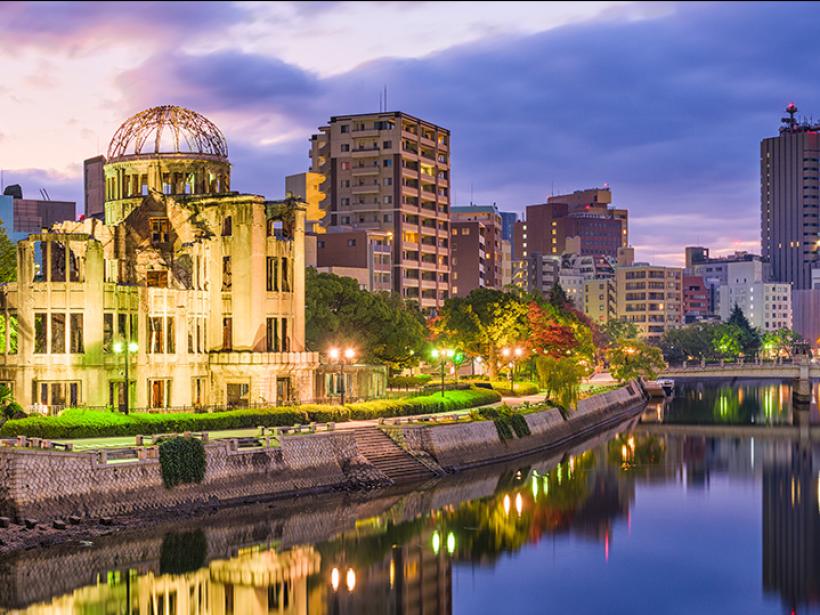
[{"x": 50, "y": 484}]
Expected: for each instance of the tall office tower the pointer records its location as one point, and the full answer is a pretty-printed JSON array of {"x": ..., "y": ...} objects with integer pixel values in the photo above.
[
  {"x": 475, "y": 247},
  {"x": 391, "y": 171},
  {"x": 790, "y": 200},
  {"x": 584, "y": 217}
]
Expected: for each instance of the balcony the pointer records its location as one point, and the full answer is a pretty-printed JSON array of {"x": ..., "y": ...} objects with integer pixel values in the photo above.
[
  {"x": 370, "y": 169},
  {"x": 364, "y": 152},
  {"x": 366, "y": 189}
]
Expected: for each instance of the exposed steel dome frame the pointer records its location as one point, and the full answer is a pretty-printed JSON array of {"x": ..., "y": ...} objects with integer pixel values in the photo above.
[{"x": 190, "y": 133}]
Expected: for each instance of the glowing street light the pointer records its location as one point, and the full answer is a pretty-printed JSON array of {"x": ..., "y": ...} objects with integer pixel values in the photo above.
[
  {"x": 442, "y": 355},
  {"x": 340, "y": 356},
  {"x": 128, "y": 347},
  {"x": 513, "y": 355}
]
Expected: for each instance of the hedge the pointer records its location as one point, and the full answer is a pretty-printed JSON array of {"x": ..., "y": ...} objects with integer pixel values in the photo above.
[
  {"x": 408, "y": 382},
  {"x": 521, "y": 388},
  {"x": 79, "y": 423}
]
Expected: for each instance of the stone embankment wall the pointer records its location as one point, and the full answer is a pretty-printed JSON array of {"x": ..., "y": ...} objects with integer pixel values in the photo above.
[
  {"x": 47, "y": 484},
  {"x": 463, "y": 445}
]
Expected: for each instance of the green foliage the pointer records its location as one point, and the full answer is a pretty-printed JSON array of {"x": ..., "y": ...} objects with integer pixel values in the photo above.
[
  {"x": 727, "y": 341},
  {"x": 616, "y": 330},
  {"x": 385, "y": 328},
  {"x": 182, "y": 460},
  {"x": 561, "y": 378},
  {"x": 521, "y": 388},
  {"x": 748, "y": 337},
  {"x": 78, "y": 423},
  {"x": 483, "y": 322},
  {"x": 691, "y": 342},
  {"x": 634, "y": 358},
  {"x": 183, "y": 552},
  {"x": 8, "y": 257},
  {"x": 408, "y": 382},
  {"x": 558, "y": 297},
  {"x": 780, "y": 342},
  {"x": 507, "y": 421},
  {"x": 9, "y": 409}
]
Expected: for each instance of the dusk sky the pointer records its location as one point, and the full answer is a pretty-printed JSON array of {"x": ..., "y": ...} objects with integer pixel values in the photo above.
[{"x": 665, "y": 102}]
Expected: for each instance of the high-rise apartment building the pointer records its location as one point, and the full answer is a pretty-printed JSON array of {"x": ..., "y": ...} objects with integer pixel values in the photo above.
[
  {"x": 600, "y": 300},
  {"x": 790, "y": 200},
  {"x": 391, "y": 171},
  {"x": 695, "y": 298},
  {"x": 362, "y": 254},
  {"x": 651, "y": 297},
  {"x": 475, "y": 248},
  {"x": 715, "y": 270}
]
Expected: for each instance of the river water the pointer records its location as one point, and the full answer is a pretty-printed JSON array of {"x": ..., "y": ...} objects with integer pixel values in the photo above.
[{"x": 655, "y": 516}]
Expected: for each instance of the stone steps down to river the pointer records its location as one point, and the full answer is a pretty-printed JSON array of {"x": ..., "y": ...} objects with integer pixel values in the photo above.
[{"x": 389, "y": 457}]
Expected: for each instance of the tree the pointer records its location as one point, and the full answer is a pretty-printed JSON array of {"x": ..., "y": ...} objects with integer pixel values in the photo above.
[
  {"x": 385, "y": 328},
  {"x": 616, "y": 330},
  {"x": 727, "y": 341},
  {"x": 481, "y": 323},
  {"x": 561, "y": 378},
  {"x": 749, "y": 337},
  {"x": 558, "y": 297},
  {"x": 8, "y": 257},
  {"x": 689, "y": 342},
  {"x": 634, "y": 358},
  {"x": 780, "y": 342}
]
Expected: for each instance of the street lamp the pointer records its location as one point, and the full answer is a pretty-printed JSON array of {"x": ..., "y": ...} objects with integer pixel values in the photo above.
[
  {"x": 127, "y": 347},
  {"x": 342, "y": 356},
  {"x": 441, "y": 355},
  {"x": 513, "y": 354}
]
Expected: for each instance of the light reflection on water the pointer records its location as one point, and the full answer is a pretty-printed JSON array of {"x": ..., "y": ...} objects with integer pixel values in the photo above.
[{"x": 635, "y": 520}]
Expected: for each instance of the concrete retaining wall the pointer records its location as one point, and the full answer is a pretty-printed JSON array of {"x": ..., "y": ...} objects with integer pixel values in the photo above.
[
  {"x": 49, "y": 484},
  {"x": 463, "y": 445}
]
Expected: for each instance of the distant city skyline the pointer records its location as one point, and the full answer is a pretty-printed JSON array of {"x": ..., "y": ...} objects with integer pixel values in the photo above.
[{"x": 666, "y": 103}]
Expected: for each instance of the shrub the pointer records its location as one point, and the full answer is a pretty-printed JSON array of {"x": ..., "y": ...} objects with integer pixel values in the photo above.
[
  {"x": 79, "y": 423},
  {"x": 507, "y": 421},
  {"x": 408, "y": 382},
  {"x": 521, "y": 388},
  {"x": 182, "y": 460},
  {"x": 14, "y": 411}
]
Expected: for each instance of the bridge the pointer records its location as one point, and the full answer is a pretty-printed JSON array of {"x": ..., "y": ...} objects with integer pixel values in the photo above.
[{"x": 802, "y": 370}]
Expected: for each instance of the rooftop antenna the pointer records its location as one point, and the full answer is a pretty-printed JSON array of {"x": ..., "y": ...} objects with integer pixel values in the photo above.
[
  {"x": 385, "y": 97},
  {"x": 790, "y": 122}
]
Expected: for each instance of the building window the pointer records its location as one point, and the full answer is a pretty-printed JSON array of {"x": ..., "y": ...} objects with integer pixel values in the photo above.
[
  {"x": 345, "y": 147},
  {"x": 159, "y": 393},
  {"x": 108, "y": 331},
  {"x": 345, "y": 165},
  {"x": 8, "y": 332},
  {"x": 40, "y": 339},
  {"x": 238, "y": 394},
  {"x": 227, "y": 226},
  {"x": 58, "y": 333},
  {"x": 388, "y": 200},
  {"x": 157, "y": 279},
  {"x": 344, "y": 201},
  {"x": 170, "y": 338},
  {"x": 226, "y": 273},
  {"x": 351, "y": 243},
  {"x": 272, "y": 274},
  {"x": 387, "y": 162},
  {"x": 160, "y": 230},
  {"x": 198, "y": 391},
  {"x": 285, "y": 275},
  {"x": 387, "y": 145},
  {"x": 156, "y": 337},
  {"x": 227, "y": 333},
  {"x": 344, "y": 128},
  {"x": 271, "y": 335},
  {"x": 76, "y": 332}
]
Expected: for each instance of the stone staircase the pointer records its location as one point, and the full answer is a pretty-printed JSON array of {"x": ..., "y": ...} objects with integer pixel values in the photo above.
[{"x": 389, "y": 457}]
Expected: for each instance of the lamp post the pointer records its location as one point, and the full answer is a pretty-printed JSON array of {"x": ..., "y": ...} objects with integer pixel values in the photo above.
[
  {"x": 127, "y": 347},
  {"x": 441, "y": 355},
  {"x": 513, "y": 354},
  {"x": 337, "y": 354}
]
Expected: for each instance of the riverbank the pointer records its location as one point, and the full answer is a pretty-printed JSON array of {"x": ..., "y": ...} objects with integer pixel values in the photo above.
[{"x": 41, "y": 489}]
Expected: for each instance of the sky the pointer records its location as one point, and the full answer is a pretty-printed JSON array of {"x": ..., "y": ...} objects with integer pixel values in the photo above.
[{"x": 664, "y": 102}]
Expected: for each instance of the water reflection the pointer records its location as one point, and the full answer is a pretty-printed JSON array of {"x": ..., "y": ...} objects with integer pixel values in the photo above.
[
  {"x": 405, "y": 558},
  {"x": 734, "y": 402}
]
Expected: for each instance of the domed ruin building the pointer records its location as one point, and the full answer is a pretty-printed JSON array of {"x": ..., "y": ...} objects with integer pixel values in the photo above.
[{"x": 198, "y": 288}]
